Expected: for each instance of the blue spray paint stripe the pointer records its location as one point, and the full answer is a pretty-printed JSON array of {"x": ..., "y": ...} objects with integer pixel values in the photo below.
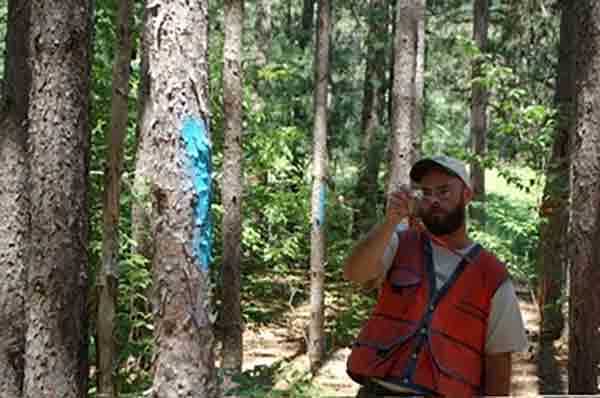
[
  {"x": 322, "y": 202},
  {"x": 199, "y": 156}
]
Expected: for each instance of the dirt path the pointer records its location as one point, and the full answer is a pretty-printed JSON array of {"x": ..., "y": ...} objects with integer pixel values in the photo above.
[{"x": 279, "y": 351}]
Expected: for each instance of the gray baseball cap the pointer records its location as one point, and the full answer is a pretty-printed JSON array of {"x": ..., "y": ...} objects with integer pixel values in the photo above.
[{"x": 453, "y": 166}]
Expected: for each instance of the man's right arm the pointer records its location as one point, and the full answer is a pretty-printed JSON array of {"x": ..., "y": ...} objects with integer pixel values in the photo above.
[{"x": 365, "y": 262}]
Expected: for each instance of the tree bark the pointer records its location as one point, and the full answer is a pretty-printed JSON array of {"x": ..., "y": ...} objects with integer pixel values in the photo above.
[
  {"x": 479, "y": 100},
  {"x": 263, "y": 32},
  {"x": 175, "y": 141},
  {"x": 552, "y": 252},
  {"x": 59, "y": 128},
  {"x": 108, "y": 276},
  {"x": 316, "y": 337},
  {"x": 403, "y": 145},
  {"x": 392, "y": 9},
  {"x": 233, "y": 93},
  {"x": 308, "y": 15},
  {"x": 418, "y": 117},
  {"x": 141, "y": 206},
  {"x": 584, "y": 227},
  {"x": 374, "y": 88},
  {"x": 14, "y": 199}
]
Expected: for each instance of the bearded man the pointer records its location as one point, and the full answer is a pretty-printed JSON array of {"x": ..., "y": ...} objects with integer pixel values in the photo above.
[{"x": 447, "y": 318}]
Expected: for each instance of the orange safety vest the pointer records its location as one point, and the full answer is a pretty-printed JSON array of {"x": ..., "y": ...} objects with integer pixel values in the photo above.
[{"x": 431, "y": 340}]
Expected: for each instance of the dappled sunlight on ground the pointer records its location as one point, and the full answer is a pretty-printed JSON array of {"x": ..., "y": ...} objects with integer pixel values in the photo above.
[{"x": 281, "y": 347}]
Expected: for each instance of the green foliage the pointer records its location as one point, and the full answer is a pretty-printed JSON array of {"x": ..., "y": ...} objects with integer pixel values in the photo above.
[
  {"x": 518, "y": 70},
  {"x": 134, "y": 316},
  {"x": 278, "y": 105},
  {"x": 511, "y": 229}
]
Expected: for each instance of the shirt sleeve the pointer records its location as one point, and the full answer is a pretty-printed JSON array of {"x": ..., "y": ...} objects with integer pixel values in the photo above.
[
  {"x": 388, "y": 256},
  {"x": 390, "y": 253},
  {"x": 506, "y": 330}
]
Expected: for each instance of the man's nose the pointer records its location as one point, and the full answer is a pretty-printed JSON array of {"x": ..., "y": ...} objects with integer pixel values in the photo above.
[{"x": 434, "y": 201}]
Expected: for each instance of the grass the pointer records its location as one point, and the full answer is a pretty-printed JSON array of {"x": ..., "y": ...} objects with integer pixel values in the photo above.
[{"x": 511, "y": 228}]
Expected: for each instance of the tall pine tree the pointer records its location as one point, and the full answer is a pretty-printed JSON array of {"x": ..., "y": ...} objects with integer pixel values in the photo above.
[
  {"x": 316, "y": 335},
  {"x": 584, "y": 226},
  {"x": 14, "y": 199},
  {"x": 175, "y": 143},
  {"x": 59, "y": 136}
]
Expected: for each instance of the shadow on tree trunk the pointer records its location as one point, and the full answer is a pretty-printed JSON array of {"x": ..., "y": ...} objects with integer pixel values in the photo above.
[{"x": 550, "y": 380}]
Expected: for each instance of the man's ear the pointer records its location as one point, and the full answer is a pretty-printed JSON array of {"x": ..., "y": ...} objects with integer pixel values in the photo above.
[{"x": 467, "y": 194}]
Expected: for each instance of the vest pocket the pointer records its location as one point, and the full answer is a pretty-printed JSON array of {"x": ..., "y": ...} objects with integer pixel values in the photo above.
[
  {"x": 404, "y": 279},
  {"x": 380, "y": 344},
  {"x": 457, "y": 361},
  {"x": 472, "y": 310}
]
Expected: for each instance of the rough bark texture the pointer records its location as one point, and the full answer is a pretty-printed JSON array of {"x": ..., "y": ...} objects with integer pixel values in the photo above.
[
  {"x": 56, "y": 342},
  {"x": 14, "y": 200},
  {"x": 231, "y": 316},
  {"x": 392, "y": 10},
  {"x": 584, "y": 227},
  {"x": 308, "y": 16},
  {"x": 479, "y": 100},
  {"x": 403, "y": 145},
  {"x": 175, "y": 142},
  {"x": 13, "y": 250},
  {"x": 17, "y": 78},
  {"x": 316, "y": 335},
  {"x": 108, "y": 276},
  {"x": 141, "y": 206},
  {"x": 366, "y": 189},
  {"x": 418, "y": 117},
  {"x": 552, "y": 252},
  {"x": 263, "y": 32}
]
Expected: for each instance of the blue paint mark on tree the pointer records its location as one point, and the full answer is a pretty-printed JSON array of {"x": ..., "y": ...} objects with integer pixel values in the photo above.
[
  {"x": 198, "y": 149},
  {"x": 322, "y": 201}
]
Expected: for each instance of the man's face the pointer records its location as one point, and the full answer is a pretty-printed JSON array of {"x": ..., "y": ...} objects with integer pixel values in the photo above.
[{"x": 442, "y": 208}]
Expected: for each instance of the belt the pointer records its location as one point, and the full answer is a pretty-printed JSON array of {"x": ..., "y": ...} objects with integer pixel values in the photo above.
[{"x": 375, "y": 390}]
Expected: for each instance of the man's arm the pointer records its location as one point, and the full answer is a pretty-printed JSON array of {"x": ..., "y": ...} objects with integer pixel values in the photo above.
[
  {"x": 364, "y": 263},
  {"x": 497, "y": 374},
  {"x": 506, "y": 334}
]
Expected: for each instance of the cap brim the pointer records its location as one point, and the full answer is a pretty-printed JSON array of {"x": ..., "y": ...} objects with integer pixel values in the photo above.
[{"x": 421, "y": 168}]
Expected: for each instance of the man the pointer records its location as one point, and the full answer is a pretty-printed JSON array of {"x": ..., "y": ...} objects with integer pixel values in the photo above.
[{"x": 447, "y": 317}]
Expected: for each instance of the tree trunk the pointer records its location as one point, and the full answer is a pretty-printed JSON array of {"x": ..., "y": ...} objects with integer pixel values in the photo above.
[
  {"x": 552, "y": 252},
  {"x": 392, "y": 9},
  {"x": 584, "y": 228},
  {"x": 141, "y": 206},
  {"x": 289, "y": 18},
  {"x": 14, "y": 199},
  {"x": 418, "y": 117},
  {"x": 316, "y": 343},
  {"x": 108, "y": 276},
  {"x": 308, "y": 15},
  {"x": 479, "y": 100},
  {"x": 233, "y": 93},
  {"x": 366, "y": 189},
  {"x": 263, "y": 32},
  {"x": 59, "y": 128},
  {"x": 403, "y": 145},
  {"x": 176, "y": 142}
]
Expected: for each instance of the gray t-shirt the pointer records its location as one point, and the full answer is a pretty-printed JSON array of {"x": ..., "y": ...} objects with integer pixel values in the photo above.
[{"x": 506, "y": 330}]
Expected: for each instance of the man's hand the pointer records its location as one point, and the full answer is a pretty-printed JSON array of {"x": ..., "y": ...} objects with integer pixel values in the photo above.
[
  {"x": 401, "y": 204},
  {"x": 364, "y": 263}
]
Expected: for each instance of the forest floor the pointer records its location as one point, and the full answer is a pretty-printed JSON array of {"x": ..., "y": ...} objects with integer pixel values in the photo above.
[{"x": 276, "y": 363}]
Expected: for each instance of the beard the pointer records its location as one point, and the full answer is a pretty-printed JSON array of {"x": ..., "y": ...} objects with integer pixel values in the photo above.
[{"x": 440, "y": 224}]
